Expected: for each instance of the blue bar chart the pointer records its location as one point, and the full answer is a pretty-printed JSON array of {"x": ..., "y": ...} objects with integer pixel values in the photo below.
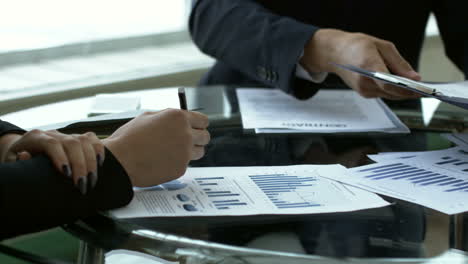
[
  {"x": 211, "y": 191},
  {"x": 220, "y": 193},
  {"x": 275, "y": 186},
  {"x": 435, "y": 179},
  {"x": 416, "y": 176}
]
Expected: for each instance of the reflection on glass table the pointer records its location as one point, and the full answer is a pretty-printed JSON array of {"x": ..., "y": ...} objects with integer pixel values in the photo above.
[{"x": 400, "y": 233}]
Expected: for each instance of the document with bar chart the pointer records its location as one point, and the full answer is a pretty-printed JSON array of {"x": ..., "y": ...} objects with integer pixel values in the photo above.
[
  {"x": 249, "y": 191},
  {"x": 436, "y": 179}
]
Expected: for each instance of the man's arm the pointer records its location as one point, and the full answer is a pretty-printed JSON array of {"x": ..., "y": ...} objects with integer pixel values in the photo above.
[
  {"x": 35, "y": 196},
  {"x": 453, "y": 27},
  {"x": 250, "y": 38}
]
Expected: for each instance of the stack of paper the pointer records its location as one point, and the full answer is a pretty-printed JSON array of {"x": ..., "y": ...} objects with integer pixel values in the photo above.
[
  {"x": 329, "y": 111},
  {"x": 250, "y": 191},
  {"x": 435, "y": 179}
]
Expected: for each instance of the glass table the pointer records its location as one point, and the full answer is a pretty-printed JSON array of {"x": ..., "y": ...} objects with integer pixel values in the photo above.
[{"x": 400, "y": 233}]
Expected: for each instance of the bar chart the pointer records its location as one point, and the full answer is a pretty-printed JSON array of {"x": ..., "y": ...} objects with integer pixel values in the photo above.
[
  {"x": 416, "y": 176},
  {"x": 230, "y": 191},
  {"x": 436, "y": 179},
  {"x": 281, "y": 187},
  {"x": 221, "y": 192}
]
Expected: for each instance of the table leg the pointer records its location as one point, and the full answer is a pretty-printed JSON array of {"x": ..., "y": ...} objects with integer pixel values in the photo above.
[{"x": 90, "y": 255}]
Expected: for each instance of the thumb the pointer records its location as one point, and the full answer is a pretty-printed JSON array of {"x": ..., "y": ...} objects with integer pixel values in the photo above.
[{"x": 23, "y": 155}]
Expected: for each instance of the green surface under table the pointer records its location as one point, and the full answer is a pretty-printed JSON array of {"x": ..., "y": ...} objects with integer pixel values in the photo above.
[{"x": 53, "y": 243}]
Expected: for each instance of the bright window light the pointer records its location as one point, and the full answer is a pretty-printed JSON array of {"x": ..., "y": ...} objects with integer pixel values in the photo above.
[{"x": 30, "y": 24}]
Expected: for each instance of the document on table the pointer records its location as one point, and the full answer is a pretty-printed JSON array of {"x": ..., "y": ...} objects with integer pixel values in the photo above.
[
  {"x": 435, "y": 179},
  {"x": 329, "y": 111},
  {"x": 216, "y": 191}
]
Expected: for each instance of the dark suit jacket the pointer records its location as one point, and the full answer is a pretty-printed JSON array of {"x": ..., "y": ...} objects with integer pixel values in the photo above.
[
  {"x": 258, "y": 43},
  {"x": 35, "y": 196}
]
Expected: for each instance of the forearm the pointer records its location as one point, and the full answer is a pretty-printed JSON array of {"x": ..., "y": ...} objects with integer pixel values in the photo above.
[
  {"x": 34, "y": 196},
  {"x": 252, "y": 39}
]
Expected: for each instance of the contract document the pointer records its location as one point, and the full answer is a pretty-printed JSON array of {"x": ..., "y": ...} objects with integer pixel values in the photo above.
[
  {"x": 222, "y": 191},
  {"x": 435, "y": 179},
  {"x": 329, "y": 111}
]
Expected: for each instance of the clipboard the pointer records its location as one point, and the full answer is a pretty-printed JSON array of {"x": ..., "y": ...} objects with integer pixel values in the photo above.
[{"x": 415, "y": 86}]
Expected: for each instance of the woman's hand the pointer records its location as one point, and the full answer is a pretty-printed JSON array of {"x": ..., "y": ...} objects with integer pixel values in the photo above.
[
  {"x": 156, "y": 147},
  {"x": 76, "y": 156}
]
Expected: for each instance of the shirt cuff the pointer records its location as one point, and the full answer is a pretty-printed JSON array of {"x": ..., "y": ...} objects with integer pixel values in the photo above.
[{"x": 316, "y": 77}]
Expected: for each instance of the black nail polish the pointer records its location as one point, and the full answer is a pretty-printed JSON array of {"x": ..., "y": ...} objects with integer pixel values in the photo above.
[
  {"x": 100, "y": 160},
  {"x": 82, "y": 185},
  {"x": 92, "y": 179},
  {"x": 67, "y": 171}
]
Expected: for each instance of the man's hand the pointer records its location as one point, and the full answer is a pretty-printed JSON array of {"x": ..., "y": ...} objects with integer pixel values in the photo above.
[
  {"x": 156, "y": 147},
  {"x": 334, "y": 46}
]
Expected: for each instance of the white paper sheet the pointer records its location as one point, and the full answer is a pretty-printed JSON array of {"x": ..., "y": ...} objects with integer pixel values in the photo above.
[
  {"x": 455, "y": 89},
  {"x": 396, "y": 156},
  {"x": 124, "y": 256},
  {"x": 250, "y": 191},
  {"x": 330, "y": 111},
  {"x": 436, "y": 179}
]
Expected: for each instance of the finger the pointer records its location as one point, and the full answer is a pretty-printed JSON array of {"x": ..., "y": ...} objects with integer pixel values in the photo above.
[
  {"x": 200, "y": 137},
  {"x": 368, "y": 88},
  {"x": 395, "y": 62},
  {"x": 74, "y": 151},
  {"x": 386, "y": 90},
  {"x": 401, "y": 92},
  {"x": 98, "y": 147},
  {"x": 198, "y": 120},
  {"x": 197, "y": 152},
  {"x": 23, "y": 155},
  {"x": 90, "y": 157},
  {"x": 41, "y": 142},
  {"x": 371, "y": 89}
]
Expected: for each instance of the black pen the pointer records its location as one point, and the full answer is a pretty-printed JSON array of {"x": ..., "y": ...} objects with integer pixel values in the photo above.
[{"x": 182, "y": 98}]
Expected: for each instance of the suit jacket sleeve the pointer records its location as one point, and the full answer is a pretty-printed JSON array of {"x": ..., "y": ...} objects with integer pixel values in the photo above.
[
  {"x": 34, "y": 196},
  {"x": 250, "y": 38},
  {"x": 453, "y": 27}
]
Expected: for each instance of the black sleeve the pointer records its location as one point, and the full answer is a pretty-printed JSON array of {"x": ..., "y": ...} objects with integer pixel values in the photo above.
[
  {"x": 251, "y": 39},
  {"x": 6, "y": 127},
  {"x": 453, "y": 27},
  {"x": 34, "y": 196}
]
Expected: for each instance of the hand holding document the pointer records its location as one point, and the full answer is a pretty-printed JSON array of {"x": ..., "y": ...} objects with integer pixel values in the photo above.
[
  {"x": 455, "y": 93},
  {"x": 217, "y": 191},
  {"x": 329, "y": 111}
]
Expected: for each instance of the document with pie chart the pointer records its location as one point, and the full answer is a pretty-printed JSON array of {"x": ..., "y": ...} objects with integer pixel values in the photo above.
[{"x": 212, "y": 191}]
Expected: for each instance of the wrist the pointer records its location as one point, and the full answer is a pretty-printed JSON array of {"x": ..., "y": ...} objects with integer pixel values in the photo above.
[
  {"x": 322, "y": 49},
  {"x": 113, "y": 146},
  {"x": 5, "y": 143}
]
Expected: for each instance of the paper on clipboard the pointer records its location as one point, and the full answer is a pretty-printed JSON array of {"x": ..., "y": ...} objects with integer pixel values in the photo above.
[{"x": 455, "y": 93}]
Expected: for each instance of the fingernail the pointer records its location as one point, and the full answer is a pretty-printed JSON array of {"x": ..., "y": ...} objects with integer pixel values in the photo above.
[
  {"x": 100, "y": 160},
  {"x": 82, "y": 185},
  {"x": 415, "y": 74},
  {"x": 92, "y": 179},
  {"x": 66, "y": 170}
]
